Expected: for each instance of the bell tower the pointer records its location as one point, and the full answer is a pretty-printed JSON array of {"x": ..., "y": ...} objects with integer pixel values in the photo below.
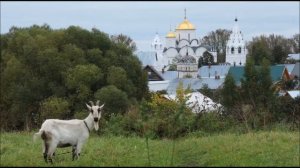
[{"x": 236, "y": 49}]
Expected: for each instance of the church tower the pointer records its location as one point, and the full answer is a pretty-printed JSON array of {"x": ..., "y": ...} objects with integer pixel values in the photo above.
[
  {"x": 236, "y": 49},
  {"x": 157, "y": 47},
  {"x": 157, "y": 44},
  {"x": 171, "y": 39}
]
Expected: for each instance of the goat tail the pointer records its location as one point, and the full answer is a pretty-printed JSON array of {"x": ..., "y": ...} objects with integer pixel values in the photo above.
[{"x": 38, "y": 134}]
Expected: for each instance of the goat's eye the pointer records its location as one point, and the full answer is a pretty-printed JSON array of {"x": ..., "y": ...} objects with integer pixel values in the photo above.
[
  {"x": 91, "y": 111},
  {"x": 98, "y": 109}
]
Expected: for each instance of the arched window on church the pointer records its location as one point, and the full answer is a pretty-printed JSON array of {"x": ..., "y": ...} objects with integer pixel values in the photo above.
[
  {"x": 189, "y": 37},
  {"x": 155, "y": 46},
  {"x": 239, "y": 50},
  {"x": 232, "y": 50}
]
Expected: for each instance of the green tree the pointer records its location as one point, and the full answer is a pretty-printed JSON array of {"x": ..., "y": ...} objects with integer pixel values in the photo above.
[
  {"x": 259, "y": 51},
  {"x": 83, "y": 75},
  {"x": 229, "y": 93},
  {"x": 266, "y": 97},
  {"x": 218, "y": 40},
  {"x": 117, "y": 76},
  {"x": 278, "y": 54},
  {"x": 125, "y": 40},
  {"x": 206, "y": 91},
  {"x": 38, "y": 62},
  {"x": 116, "y": 101},
  {"x": 208, "y": 59}
]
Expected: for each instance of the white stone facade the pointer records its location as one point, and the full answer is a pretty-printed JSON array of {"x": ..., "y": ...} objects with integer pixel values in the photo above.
[
  {"x": 236, "y": 50},
  {"x": 184, "y": 40}
]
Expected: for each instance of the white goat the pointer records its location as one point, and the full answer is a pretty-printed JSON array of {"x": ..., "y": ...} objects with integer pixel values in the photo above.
[{"x": 63, "y": 133}]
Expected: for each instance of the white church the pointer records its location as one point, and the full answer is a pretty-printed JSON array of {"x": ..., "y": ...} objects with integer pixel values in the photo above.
[
  {"x": 179, "y": 45},
  {"x": 183, "y": 48}
]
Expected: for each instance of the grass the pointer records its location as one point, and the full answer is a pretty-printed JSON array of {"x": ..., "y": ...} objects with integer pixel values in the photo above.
[{"x": 252, "y": 149}]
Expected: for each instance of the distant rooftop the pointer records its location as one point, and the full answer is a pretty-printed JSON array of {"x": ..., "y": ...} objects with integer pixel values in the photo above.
[
  {"x": 294, "y": 56},
  {"x": 238, "y": 72},
  {"x": 147, "y": 58},
  {"x": 210, "y": 71},
  {"x": 194, "y": 84}
]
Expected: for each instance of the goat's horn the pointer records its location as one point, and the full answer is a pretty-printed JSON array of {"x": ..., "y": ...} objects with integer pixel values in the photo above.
[
  {"x": 97, "y": 103},
  {"x": 92, "y": 103}
]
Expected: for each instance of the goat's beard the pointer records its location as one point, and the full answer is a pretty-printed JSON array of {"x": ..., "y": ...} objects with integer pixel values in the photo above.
[{"x": 96, "y": 125}]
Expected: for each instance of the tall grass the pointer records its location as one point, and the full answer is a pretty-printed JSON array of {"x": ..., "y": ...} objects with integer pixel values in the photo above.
[{"x": 251, "y": 149}]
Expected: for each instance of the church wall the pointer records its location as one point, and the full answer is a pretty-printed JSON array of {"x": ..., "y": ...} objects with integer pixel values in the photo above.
[
  {"x": 186, "y": 49},
  {"x": 183, "y": 43},
  {"x": 184, "y": 34},
  {"x": 200, "y": 51},
  {"x": 194, "y": 43},
  {"x": 170, "y": 42}
]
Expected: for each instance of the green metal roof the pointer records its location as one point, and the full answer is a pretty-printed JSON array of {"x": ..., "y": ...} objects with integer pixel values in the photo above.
[{"x": 238, "y": 72}]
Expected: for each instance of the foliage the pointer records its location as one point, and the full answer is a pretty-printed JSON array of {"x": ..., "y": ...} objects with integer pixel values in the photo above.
[
  {"x": 39, "y": 62},
  {"x": 275, "y": 48},
  {"x": 218, "y": 40},
  {"x": 206, "y": 91},
  {"x": 116, "y": 101},
  {"x": 125, "y": 40},
  {"x": 208, "y": 59},
  {"x": 229, "y": 93},
  {"x": 54, "y": 108}
]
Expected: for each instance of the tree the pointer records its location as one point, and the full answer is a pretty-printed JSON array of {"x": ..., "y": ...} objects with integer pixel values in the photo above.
[
  {"x": 296, "y": 43},
  {"x": 229, "y": 93},
  {"x": 117, "y": 76},
  {"x": 125, "y": 40},
  {"x": 249, "y": 83},
  {"x": 278, "y": 54},
  {"x": 266, "y": 46},
  {"x": 266, "y": 97},
  {"x": 115, "y": 100},
  {"x": 206, "y": 91},
  {"x": 259, "y": 51},
  {"x": 208, "y": 59},
  {"x": 218, "y": 40},
  {"x": 38, "y": 62},
  {"x": 200, "y": 62}
]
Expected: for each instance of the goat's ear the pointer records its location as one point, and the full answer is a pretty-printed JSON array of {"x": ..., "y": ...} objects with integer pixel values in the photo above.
[
  {"x": 101, "y": 106},
  {"x": 89, "y": 107}
]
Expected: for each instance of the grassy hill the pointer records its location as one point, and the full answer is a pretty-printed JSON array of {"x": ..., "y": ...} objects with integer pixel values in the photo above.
[{"x": 252, "y": 149}]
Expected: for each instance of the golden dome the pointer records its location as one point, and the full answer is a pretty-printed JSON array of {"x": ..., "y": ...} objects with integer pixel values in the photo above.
[
  {"x": 171, "y": 35},
  {"x": 185, "y": 25}
]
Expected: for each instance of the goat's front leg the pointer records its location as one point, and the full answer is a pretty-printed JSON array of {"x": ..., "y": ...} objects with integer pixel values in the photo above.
[{"x": 78, "y": 149}]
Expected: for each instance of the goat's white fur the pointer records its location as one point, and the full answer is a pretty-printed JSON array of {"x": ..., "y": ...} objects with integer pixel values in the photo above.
[{"x": 57, "y": 133}]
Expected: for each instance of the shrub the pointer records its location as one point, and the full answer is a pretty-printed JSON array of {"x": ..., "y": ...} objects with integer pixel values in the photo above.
[{"x": 54, "y": 107}]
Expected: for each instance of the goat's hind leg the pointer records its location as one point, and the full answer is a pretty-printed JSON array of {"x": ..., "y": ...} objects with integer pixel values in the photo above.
[
  {"x": 51, "y": 150},
  {"x": 45, "y": 151},
  {"x": 73, "y": 152}
]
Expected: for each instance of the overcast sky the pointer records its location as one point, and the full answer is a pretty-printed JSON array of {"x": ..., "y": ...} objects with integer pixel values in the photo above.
[{"x": 141, "y": 20}]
